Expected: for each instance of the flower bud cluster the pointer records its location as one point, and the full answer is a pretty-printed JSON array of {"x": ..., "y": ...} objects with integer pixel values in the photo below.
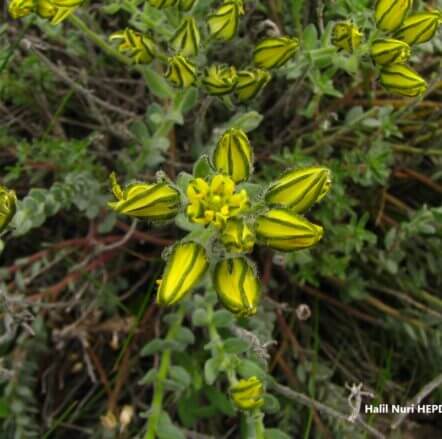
[
  {"x": 54, "y": 10},
  {"x": 8, "y": 206}
]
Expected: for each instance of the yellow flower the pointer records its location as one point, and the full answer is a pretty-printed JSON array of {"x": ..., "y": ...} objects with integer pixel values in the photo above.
[
  {"x": 219, "y": 79},
  {"x": 286, "y": 231},
  {"x": 223, "y": 23},
  {"x": 390, "y": 51},
  {"x": 250, "y": 83},
  {"x": 247, "y": 393},
  {"x": 8, "y": 207},
  {"x": 274, "y": 52},
  {"x": 419, "y": 28},
  {"x": 233, "y": 155},
  {"x": 187, "y": 38},
  {"x": 237, "y": 236},
  {"x": 161, "y": 4},
  {"x": 21, "y": 8},
  {"x": 389, "y": 14},
  {"x": 402, "y": 80},
  {"x": 237, "y": 285},
  {"x": 185, "y": 267},
  {"x": 346, "y": 36},
  {"x": 156, "y": 201},
  {"x": 215, "y": 202},
  {"x": 57, "y": 10},
  {"x": 299, "y": 189},
  {"x": 137, "y": 46},
  {"x": 186, "y": 5},
  {"x": 180, "y": 71}
]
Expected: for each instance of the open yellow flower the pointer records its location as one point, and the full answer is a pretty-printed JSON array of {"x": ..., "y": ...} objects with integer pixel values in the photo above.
[
  {"x": 215, "y": 202},
  {"x": 21, "y": 8},
  {"x": 219, "y": 79}
]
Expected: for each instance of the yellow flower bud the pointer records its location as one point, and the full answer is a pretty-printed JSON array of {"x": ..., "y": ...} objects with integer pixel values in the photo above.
[
  {"x": 8, "y": 207},
  {"x": 223, "y": 23},
  {"x": 250, "y": 83},
  {"x": 247, "y": 393},
  {"x": 390, "y": 51},
  {"x": 389, "y": 14},
  {"x": 186, "y": 266},
  {"x": 216, "y": 202},
  {"x": 286, "y": 231},
  {"x": 402, "y": 80},
  {"x": 140, "y": 48},
  {"x": 161, "y": 4},
  {"x": 237, "y": 236},
  {"x": 299, "y": 189},
  {"x": 180, "y": 71},
  {"x": 346, "y": 36},
  {"x": 21, "y": 8},
  {"x": 219, "y": 79},
  {"x": 233, "y": 155},
  {"x": 154, "y": 201},
  {"x": 419, "y": 28},
  {"x": 274, "y": 52},
  {"x": 186, "y": 5},
  {"x": 187, "y": 38},
  {"x": 237, "y": 285},
  {"x": 57, "y": 10}
]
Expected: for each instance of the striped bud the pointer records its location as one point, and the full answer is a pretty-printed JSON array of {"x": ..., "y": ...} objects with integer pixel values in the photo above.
[
  {"x": 156, "y": 201},
  {"x": 21, "y": 8},
  {"x": 180, "y": 71},
  {"x": 223, "y": 23},
  {"x": 187, "y": 38},
  {"x": 140, "y": 48},
  {"x": 219, "y": 79},
  {"x": 402, "y": 80},
  {"x": 186, "y": 266},
  {"x": 8, "y": 207},
  {"x": 274, "y": 52},
  {"x": 237, "y": 286},
  {"x": 390, "y": 51},
  {"x": 286, "y": 231},
  {"x": 233, "y": 155},
  {"x": 57, "y": 10},
  {"x": 346, "y": 36},
  {"x": 250, "y": 83},
  {"x": 389, "y": 14},
  {"x": 161, "y": 4},
  {"x": 299, "y": 189},
  {"x": 247, "y": 393},
  {"x": 186, "y": 5},
  {"x": 237, "y": 236},
  {"x": 419, "y": 28}
]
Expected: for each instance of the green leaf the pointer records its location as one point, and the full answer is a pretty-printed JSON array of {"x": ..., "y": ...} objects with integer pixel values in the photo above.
[
  {"x": 180, "y": 375},
  {"x": 200, "y": 317},
  {"x": 271, "y": 404},
  {"x": 248, "y": 368},
  {"x": 223, "y": 318},
  {"x": 245, "y": 121},
  {"x": 184, "y": 336},
  {"x": 211, "y": 370},
  {"x": 202, "y": 167},
  {"x": 236, "y": 346},
  {"x": 166, "y": 430},
  {"x": 219, "y": 400},
  {"x": 153, "y": 347},
  {"x": 157, "y": 84},
  {"x": 275, "y": 433}
]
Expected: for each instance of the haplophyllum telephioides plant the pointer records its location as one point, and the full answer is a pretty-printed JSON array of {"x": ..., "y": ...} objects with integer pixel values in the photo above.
[
  {"x": 390, "y": 43},
  {"x": 226, "y": 224},
  {"x": 8, "y": 207}
]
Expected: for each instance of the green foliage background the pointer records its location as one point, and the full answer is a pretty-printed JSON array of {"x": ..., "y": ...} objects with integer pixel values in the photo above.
[{"x": 80, "y": 331}]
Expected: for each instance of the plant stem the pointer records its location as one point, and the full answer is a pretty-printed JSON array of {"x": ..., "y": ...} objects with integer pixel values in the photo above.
[
  {"x": 259, "y": 425},
  {"x": 157, "y": 402},
  {"x": 97, "y": 39}
]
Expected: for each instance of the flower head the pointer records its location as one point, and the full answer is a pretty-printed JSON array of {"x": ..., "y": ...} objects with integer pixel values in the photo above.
[
  {"x": 250, "y": 83},
  {"x": 8, "y": 206},
  {"x": 185, "y": 267},
  {"x": 402, "y": 80},
  {"x": 247, "y": 393},
  {"x": 237, "y": 285},
  {"x": 155, "y": 201},
  {"x": 216, "y": 201},
  {"x": 186, "y": 39},
  {"x": 237, "y": 236},
  {"x": 389, "y": 14},
  {"x": 390, "y": 51},
  {"x": 419, "y": 28},
  {"x": 219, "y": 79},
  {"x": 274, "y": 52},
  {"x": 346, "y": 36},
  {"x": 21, "y": 8},
  {"x": 180, "y": 71},
  {"x": 141, "y": 48},
  {"x": 223, "y": 23}
]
